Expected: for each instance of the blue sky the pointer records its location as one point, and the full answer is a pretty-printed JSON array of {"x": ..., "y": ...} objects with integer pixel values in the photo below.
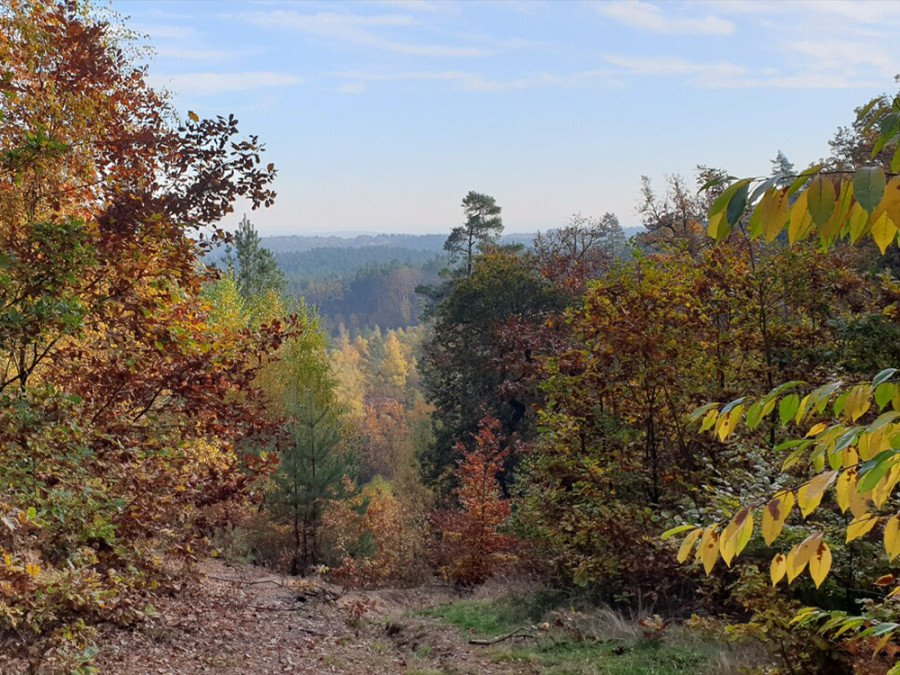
[{"x": 380, "y": 116}]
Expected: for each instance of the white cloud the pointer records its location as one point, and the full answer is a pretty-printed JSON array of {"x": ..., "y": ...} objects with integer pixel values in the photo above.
[
  {"x": 218, "y": 83},
  {"x": 468, "y": 81},
  {"x": 647, "y": 16},
  {"x": 361, "y": 30},
  {"x": 352, "y": 88},
  {"x": 706, "y": 74}
]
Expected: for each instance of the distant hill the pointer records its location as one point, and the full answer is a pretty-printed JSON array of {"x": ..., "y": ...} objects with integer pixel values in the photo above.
[{"x": 416, "y": 242}]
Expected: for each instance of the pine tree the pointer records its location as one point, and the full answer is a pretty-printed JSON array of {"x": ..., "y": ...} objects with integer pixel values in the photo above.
[
  {"x": 257, "y": 272},
  {"x": 483, "y": 225}
]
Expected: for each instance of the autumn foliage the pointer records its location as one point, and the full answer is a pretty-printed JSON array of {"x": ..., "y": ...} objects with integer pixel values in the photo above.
[
  {"x": 471, "y": 544},
  {"x": 121, "y": 402}
]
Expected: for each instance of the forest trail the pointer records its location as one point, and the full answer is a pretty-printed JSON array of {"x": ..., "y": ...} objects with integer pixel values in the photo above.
[{"x": 241, "y": 619}]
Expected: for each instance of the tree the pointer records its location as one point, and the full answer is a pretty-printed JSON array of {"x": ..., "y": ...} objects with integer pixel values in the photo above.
[
  {"x": 312, "y": 470},
  {"x": 843, "y": 446},
  {"x": 581, "y": 250},
  {"x": 463, "y": 368},
  {"x": 482, "y": 226},
  {"x": 257, "y": 271},
  {"x": 471, "y": 545},
  {"x": 122, "y": 399}
]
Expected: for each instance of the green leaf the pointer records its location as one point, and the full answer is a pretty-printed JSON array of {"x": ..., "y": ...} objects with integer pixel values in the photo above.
[
  {"x": 821, "y": 199},
  {"x": 868, "y": 187},
  {"x": 754, "y": 415},
  {"x": 788, "y": 408},
  {"x": 737, "y": 206},
  {"x": 721, "y": 215},
  {"x": 677, "y": 530},
  {"x": 874, "y": 470},
  {"x": 884, "y": 393},
  {"x": 883, "y": 376}
]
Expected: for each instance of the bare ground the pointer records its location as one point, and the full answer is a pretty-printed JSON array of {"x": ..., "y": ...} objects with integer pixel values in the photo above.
[{"x": 242, "y": 619}]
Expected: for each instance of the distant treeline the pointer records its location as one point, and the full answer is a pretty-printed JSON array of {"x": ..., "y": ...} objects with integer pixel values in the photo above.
[{"x": 334, "y": 263}]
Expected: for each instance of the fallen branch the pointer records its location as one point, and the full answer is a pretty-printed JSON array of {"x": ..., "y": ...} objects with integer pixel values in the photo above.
[{"x": 518, "y": 632}]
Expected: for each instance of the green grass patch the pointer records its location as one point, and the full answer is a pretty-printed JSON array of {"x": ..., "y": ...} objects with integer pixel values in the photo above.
[
  {"x": 497, "y": 616},
  {"x": 609, "y": 658}
]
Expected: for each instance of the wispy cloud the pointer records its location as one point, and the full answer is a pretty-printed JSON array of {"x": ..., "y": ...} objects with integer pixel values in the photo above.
[
  {"x": 164, "y": 31},
  {"x": 352, "y": 88},
  {"x": 218, "y": 83},
  {"x": 707, "y": 74},
  {"x": 364, "y": 30},
  {"x": 649, "y": 17},
  {"x": 467, "y": 81},
  {"x": 190, "y": 54}
]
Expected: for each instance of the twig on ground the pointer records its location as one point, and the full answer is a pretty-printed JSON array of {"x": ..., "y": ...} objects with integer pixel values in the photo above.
[{"x": 518, "y": 632}]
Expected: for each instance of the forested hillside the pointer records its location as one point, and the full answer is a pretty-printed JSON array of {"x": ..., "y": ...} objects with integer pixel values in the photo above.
[{"x": 675, "y": 452}]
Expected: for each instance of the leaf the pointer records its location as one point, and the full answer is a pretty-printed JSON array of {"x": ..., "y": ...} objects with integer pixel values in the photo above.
[
  {"x": 194, "y": 116},
  {"x": 775, "y": 514},
  {"x": 688, "y": 544},
  {"x": 845, "y": 483},
  {"x": 709, "y": 420},
  {"x": 883, "y": 376},
  {"x": 810, "y": 495},
  {"x": 778, "y": 568},
  {"x": 820, "y": 563},
  {"x": 802, "y": 179},
  {"x": 736, "y": 535},
  {"x": 677, "y": 530},
  {"x": 800, "y": 220},
  {"x": 709, "y": 549},
  {"x": 884, "y": 393},
  {"x": 821, "y": 199},
  {"x": 728, "y": 423},
  {"x": 722, "y": 213},
  {"x": 883, "y": 232},
  {"x": 873, "y": 470},
  {"x": 770, "y": 215},
  {"x": 754, "y": 415},
  {"x": 868, "y": 187},
  {"x": 788, "y": 408},
  {"x": 816, "y": 429},
  {"x": 857, "y": 221},
  {"x": 860, "y": 526},
  {"x": 892, "y": 537}
]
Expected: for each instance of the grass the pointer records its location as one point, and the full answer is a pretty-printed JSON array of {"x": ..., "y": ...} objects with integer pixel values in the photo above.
[
  {"x": 588, "y": 643},
  {"x": 496, "y": 616}
]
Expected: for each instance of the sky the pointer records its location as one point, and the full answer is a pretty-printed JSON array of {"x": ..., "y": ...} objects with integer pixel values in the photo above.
[{"x": 381, "y": 116}]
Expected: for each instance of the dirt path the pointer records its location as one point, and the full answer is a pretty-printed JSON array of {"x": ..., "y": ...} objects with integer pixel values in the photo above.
[{"x": 244, "y": 620}]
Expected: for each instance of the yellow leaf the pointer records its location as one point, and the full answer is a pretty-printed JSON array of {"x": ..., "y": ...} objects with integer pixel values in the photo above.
[
  {"x": 885, "y": 486},
  {"x": 709, "y": 420},
  {"x": 775, "y": 514},
  {"x": 845, "y": 483},
  {"x": 728, "y": 422},
  {"x": 801, "y": 554},
  {"x": 744, "y": 534},
  {"x": 32, "y": 570},
  {"x": 778, "y": 568},
  {"x": 858, "y": 401},
  {"x": 820, "y": 563},
  {"x": 860, "y": 526},
  {"x": 800, "y": 220},
  {"x": 685, "y": 549},
  {"x": 883, "y": 231},
  {"x": 857, "y": 222},
  {"x": 736, "y": 535},
  {"x": 709, "y": 549},
  {"x": 892, "y": 537},
  {"x": 801, "y": 409},
  {"x": 810, "y": 495},
  {"x": 859, "y": 504},
  {"x": 774, "y": 211},
  {"x": 816, "y": 430}
]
